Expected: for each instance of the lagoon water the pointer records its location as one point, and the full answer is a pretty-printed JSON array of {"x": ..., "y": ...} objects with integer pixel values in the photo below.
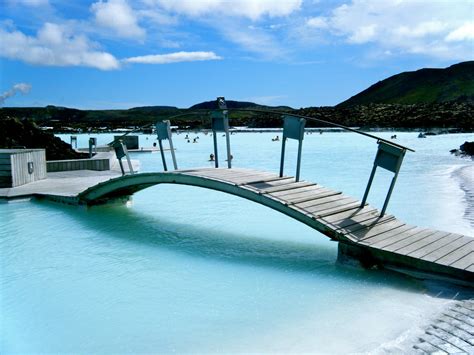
[{"x": 183, "y": 269}]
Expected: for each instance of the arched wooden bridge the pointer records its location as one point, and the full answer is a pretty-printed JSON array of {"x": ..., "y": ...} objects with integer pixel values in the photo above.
[{"x": 362, "y": 232}]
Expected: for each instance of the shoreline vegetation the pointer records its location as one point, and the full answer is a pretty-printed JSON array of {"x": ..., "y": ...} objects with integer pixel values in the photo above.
[
  {"x": 448, "y": 117},
  {"x": 25, "y": 133}
]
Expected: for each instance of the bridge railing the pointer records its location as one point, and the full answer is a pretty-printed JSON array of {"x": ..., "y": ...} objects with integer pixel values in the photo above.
[{"x": 389, "y": 155}]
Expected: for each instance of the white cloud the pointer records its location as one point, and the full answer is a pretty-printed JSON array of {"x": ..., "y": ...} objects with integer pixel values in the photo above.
[
  {"x": 363, "y": 34},
  {"x": 462, "y": 33},
  {"x": 254, "y": 40},
  {"x": 317, "y": 22},
  {"x": 23, "y": 88},
  {"x": 54, "y": 46},
  {"x": 173, "y": 58},
  {"x": 119, "y": 17},
  {"x": 423, "y": 29},
  {"x": 252, "y": 9},
  {"x": 404, "y": 26}
]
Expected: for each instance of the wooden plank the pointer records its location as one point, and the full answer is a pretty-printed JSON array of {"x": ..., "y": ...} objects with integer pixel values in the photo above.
[
  {"x": 328, "y": 212},
  {"x": 311, "y": 200},
  {"x": 264, "y": 185},
  {"x": 286, "y": 187},
  {"x": 364, "y": 221},
  {"x": 428, "y": 348},
  {"x": 468, "y": 304},
  {"x": 264, "y": 179},
  {"x": 459, "y": 316},
  {"x": 359, "y": 217},
  {"x": 384, "y": 239},
  {"x": 460, "y": 309},
  {"x": 457, "y": 254},
  {"x": 315, "y": 199},
  {"x": 408, "y": 240},
  {"x": 430, "y": 238},
  {"x": 457, "y": 342},
  {"x": 464, "y": 262},
  {"x": 452, "y": 329},
  {"x": 458, "y": 324},
  {"x": 440, "y": 343},
  {"x": 434, "y": 246},
  {"x": 186, "y": 171},
  {"x": 445, "y": 250},
  {"x": 221, "y": 172},
  {"x": 340, "y": 201},
  {"x": 216, "y": 173},
  {"x": 318, "y": 199},
  {"x": 377, "y": 229},
  {"x": 297, "y": 191},
  {"x": 349, "y": 214},
  {"x": 244, "y": 178}
]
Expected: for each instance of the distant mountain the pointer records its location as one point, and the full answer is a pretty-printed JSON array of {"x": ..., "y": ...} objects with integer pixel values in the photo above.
[
  {"x": 424, "y": 86},
  {"x": 153, "y": 108},
  {"x": 210, "y": 105}
]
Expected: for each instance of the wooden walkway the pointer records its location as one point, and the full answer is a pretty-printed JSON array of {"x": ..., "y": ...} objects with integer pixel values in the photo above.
[
  {"x": 382, "y": 241},
  {"x": 346, "y": 221},
  {"x": 451, "y": 333}
]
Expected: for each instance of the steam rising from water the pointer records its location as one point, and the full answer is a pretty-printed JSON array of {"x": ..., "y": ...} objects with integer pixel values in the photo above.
[{"x": 23, "y": 88}]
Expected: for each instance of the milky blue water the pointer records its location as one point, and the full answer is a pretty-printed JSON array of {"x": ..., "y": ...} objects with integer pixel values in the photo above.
[{"x": 183, "y": 269}]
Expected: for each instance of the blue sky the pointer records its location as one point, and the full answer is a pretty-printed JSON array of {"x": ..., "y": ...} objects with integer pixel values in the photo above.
[{"x": 123, "y": 53}]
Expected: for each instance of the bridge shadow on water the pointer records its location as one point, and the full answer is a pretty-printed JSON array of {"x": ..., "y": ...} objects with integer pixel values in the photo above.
[{"x": 317, "y": 260}]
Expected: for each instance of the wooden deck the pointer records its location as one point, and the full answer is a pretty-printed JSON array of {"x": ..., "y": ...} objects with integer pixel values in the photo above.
[{"x": 383, "y": 241}]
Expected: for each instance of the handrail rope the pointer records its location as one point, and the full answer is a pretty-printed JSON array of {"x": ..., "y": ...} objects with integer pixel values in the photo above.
[
  {"x": 193, "y": 113},
  {"x": 280, "y": 113},
  {"x": 329, "y": 123}
]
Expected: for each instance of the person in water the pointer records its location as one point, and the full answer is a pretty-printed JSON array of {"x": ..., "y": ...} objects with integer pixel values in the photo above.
[{"x": 211, "y": 157}]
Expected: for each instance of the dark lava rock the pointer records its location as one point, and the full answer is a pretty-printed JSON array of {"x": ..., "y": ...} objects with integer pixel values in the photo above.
[
  {"x": 467, "y": 148},
  {"x": 16, "y": 133}
]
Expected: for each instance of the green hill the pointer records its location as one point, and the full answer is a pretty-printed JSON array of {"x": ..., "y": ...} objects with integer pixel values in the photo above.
[{"x": 424, "y": 86}]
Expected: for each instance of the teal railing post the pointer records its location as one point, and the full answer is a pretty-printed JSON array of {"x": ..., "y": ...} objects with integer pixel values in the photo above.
[
  {"x": 120, "y": 152},
  {"x": 74, "y": 140},
  {"x": 220, "y": 123},
  {"x": 293, "y": 127},
  {"x": 389, "y": 157},
  {"x": 163, "y": 131},
  {"x": 92, "y": 146}
]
